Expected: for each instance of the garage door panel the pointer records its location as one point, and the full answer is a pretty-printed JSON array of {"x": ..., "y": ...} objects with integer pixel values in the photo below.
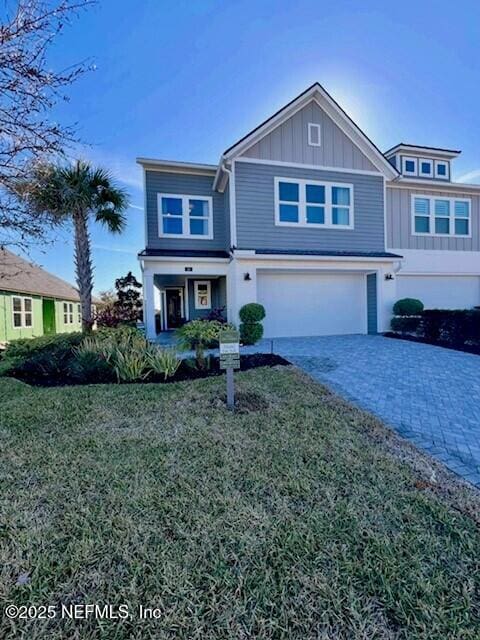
[
  {"x": 312, "y": 304},
  {"x": 441, "y": 292}
]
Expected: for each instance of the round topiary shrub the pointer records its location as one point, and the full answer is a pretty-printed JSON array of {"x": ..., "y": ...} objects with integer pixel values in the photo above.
[
  {"x": 408, "y": 307},
  {"x": 252, "y": 312},
  {"x": 251, "y": 315},
  {"x": 251, "y": 333}
]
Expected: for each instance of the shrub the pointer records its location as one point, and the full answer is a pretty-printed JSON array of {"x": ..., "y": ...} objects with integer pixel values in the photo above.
[
  {"x": 198, "y": 335},
  {"x": 405, "y": 324},
  {"x": 218, "y": 314},
  {"x": 251, "y": 315},
  {"x": 251, "y": 333},
  {"x": 41, "y": 360},
  {"x": 408, "y": 307},
  {"x": 163, "y": 361},
  {"x": 90, "y": 364},
  {"x": 252, "y": 312},
  {"x": 455, "y": 327}
]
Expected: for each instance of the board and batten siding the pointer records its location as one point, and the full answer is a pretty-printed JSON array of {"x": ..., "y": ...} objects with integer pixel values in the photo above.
[
  {"x": 255, "y": 211},
  {"x": 184, "y": 184},
  {"x": 289, "y": 143},
  {"x": 399, "y": 222}
]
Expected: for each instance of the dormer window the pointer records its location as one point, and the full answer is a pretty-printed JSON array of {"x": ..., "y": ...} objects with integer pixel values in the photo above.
[
  {"x": 441, "y": 169},
  {"x": 426, "y": 168},
  {"x": 409, "y": 166},
  {"x": 314, "y": 134}
]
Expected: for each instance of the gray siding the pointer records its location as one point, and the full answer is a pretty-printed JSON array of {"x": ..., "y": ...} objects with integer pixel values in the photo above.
[
  {"x": 399, "y": 222},
  {"x": 289, "y": 143},
  {"x": 372, "y": 303},
  {"x": 219, "y": 297},
  {"x": 254, "y": 187},
  {"x": 183, "y": 184}
]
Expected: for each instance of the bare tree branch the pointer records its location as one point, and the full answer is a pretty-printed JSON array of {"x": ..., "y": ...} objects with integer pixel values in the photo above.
[{"x": 29, "y": 91}]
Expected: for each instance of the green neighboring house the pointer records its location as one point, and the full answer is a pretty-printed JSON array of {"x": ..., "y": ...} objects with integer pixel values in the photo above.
[{"x": 34, "y": 302}]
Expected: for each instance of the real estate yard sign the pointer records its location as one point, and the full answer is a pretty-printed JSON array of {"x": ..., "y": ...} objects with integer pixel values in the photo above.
[{"x": 229, "y": 340}]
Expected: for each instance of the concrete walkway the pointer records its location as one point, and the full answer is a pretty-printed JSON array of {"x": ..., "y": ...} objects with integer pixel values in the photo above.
[{"x": 427, "y": 394}]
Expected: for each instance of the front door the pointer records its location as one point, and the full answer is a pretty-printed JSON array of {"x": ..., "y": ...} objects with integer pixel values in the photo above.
[
  {"x": 48, "y": 312},
  {"x": 174, "y": 308}
]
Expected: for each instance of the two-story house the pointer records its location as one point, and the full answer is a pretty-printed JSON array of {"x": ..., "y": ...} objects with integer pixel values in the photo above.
[{"x": 308, "y": 217}]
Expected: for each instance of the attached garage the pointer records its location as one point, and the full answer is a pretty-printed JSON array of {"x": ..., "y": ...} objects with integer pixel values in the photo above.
[
  {"x": 312, "y": 304},
  {"x": 441, "y": 292}
]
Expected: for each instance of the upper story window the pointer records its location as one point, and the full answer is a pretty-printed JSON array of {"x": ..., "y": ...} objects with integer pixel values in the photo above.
[
  {"x": 409, "y": 166},
  {"x": 309, "y": 203},
  {"x": 314, "y": 134},
  {"x": 441, "y": 216},
  {"x": 22, "y": 309},
  {"x": 441, "y": 169},
  {"x": 426, "y": 168},
  {"x": 182, "y": 216}
]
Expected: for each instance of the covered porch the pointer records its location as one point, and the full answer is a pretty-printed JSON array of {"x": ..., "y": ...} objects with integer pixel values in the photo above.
[{"x": 175, "y": 293}]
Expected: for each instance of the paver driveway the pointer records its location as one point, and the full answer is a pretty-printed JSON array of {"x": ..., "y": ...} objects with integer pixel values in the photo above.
[{"x": 428, "y": 394}]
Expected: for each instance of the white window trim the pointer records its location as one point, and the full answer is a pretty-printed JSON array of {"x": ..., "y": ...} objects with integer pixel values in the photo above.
[
  {"x": 406, "y": 159},
  {"x": 69, "y": 313},
  {"x": 447, "y": 173},
  {"x": 312, "y": 126},
  {"x": 185, "y": 216},
  {"x": 432, "y": 216},
  {"x": 79, "y": 313},
  {"x": 209, "y": 294},
  {"x": 22, "y": 312},
  {"x": 302, "y": 204},
  {"x": 420, "y": 172}
]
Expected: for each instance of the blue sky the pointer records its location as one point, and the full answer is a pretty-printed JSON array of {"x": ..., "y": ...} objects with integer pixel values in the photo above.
[{"x": 185, "y": 79}]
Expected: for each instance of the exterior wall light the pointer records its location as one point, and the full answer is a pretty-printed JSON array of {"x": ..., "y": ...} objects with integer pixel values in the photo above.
[
  {"x": 388, "y": 276},
  {"x": 246, "y": 276}
]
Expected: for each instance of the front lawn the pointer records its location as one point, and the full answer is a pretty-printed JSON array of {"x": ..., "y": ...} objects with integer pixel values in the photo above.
[{"x": 296, "y": 517}]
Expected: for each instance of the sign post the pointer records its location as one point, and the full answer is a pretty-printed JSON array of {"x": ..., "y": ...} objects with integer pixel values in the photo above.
[{"x": 229, "y": 340}]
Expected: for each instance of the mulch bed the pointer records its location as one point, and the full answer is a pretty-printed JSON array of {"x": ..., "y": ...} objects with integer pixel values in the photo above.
[{"x": 466, "y": 348}]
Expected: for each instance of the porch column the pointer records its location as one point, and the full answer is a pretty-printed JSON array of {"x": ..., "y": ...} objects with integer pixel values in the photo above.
[{"x": 149, "y": 306}]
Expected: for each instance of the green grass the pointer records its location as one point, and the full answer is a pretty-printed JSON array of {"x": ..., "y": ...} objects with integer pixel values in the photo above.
[{"x": 291, "y": 518}]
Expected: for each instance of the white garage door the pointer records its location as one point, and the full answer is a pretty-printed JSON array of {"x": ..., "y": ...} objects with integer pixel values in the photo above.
[
  {"x": 441, "y": 292},
  {"x": 313, "y": 304}
]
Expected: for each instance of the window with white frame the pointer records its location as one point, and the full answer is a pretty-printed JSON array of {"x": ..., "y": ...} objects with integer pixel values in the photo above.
[
  {"x": 441, "y": 169},
  {"x": 203, "y": 294},
  {"x": 314, "y": 134},
  {"x": 182, "y": 216},
  {"x": 409, "y": 166},
  {"x": 68, "y": 312},
  {"x": 441, "y": 216},
  {"x": 22, "y": 309},
  {"x": 310, "y": 203},
  {"x": 425, "y": 168},
  {"x": 79, "y": 313}
]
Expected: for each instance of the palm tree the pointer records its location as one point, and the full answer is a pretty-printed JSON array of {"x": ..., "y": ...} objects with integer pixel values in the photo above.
[{"x": 77, "y": 193}]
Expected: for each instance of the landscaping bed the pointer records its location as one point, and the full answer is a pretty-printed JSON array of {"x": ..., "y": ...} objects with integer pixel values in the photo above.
[
  {"x": 466, "y": 348},
  {"x": 296, "y": 516}
]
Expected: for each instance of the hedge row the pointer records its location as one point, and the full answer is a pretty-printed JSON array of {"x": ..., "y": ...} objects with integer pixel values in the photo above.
[{"x": 456, "y": 327}]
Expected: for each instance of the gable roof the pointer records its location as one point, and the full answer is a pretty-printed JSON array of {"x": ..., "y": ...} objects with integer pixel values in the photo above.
[
  {"x": 325, "y": 101},
  {"x": 21, "y": 276}
]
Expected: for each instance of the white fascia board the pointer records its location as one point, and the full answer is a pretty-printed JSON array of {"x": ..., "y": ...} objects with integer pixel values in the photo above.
[
  {"x": 421, "y": 151},
  {"x": 177, "y": 167},
  {"x": 439, "y": 262},
  {"x": 411, "y": 183},
  {"x": 183, "y": 259}
]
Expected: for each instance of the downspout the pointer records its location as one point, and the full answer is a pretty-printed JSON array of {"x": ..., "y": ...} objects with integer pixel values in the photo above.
[{"x": 231, "y": 193}]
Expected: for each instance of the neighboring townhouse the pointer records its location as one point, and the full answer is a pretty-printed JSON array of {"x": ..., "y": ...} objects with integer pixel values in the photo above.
[
  {"x": 34, "y": 302},
  {"x": 308, "y": 217}
]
